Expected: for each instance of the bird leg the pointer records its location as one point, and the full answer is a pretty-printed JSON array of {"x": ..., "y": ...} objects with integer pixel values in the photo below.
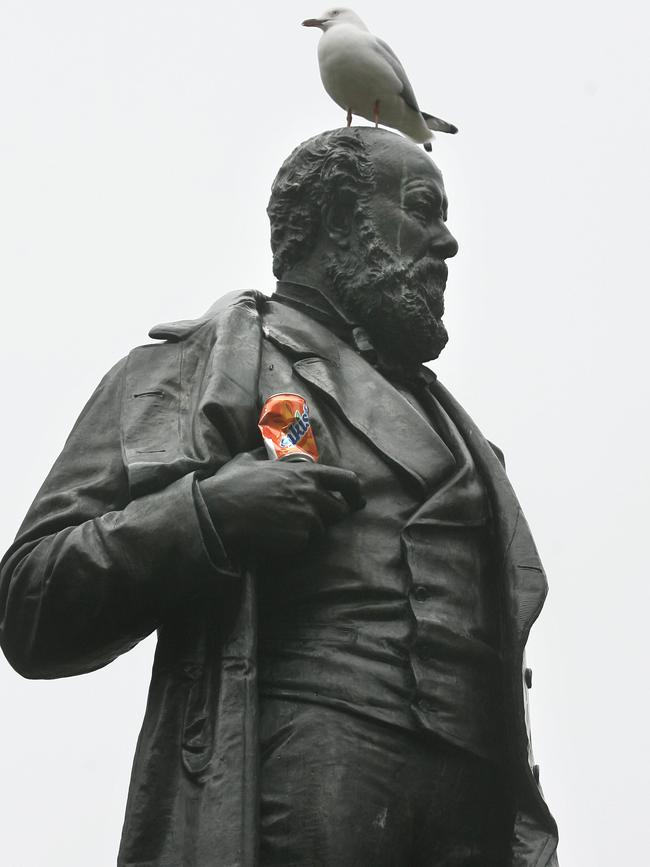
[
  {"x": 349, "y": 117},
  {"x": 375, "y": 113}
]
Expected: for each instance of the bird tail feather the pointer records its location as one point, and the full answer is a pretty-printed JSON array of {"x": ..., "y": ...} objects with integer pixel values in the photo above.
[{"x": 438, "y": 124}]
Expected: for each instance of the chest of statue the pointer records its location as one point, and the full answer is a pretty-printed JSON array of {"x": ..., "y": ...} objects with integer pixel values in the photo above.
[{"x": 391, "y": 612}]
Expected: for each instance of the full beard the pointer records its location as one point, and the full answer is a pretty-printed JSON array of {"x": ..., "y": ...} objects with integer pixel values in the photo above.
[{"x": 399, "y": 302}]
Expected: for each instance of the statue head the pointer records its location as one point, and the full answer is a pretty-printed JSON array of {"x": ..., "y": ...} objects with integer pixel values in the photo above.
[{"x": 360, "y": 213}]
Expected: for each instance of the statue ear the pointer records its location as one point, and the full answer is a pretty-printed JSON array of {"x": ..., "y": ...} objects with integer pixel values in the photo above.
[{"x": 339, "y": 220}]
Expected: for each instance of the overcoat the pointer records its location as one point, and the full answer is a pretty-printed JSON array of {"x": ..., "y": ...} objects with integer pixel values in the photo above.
[{"x": 118, "y": 544}]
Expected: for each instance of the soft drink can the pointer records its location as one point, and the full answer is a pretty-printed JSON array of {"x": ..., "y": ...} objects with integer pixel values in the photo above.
[{"x": 286, "y": 428}]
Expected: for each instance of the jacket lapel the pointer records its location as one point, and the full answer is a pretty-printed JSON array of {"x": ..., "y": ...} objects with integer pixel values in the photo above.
[
  {"x": 524, "y": 589},
  {"x": 370, "y": 404},
  {"x": 526, "y": 580}
]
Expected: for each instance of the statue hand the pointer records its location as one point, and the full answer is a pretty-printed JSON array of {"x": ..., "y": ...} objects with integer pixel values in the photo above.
[{"x": 277, "y": 505}]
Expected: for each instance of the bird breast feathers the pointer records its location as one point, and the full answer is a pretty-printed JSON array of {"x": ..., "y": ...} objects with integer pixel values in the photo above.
[{"x": 349, "y": 55}]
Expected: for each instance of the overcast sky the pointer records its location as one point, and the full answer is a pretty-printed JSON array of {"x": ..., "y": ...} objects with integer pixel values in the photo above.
[{"x": 138, "y": 142}]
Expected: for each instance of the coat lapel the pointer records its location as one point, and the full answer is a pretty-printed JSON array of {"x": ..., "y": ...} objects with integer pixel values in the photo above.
[
  {"x": 527, "y": 585},
  {"x": 370, "y": 404},
  {"x": 524, "y": 587}
]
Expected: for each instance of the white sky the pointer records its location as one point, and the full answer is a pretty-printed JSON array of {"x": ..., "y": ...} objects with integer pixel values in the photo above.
[{"x": 138, "y": 142}]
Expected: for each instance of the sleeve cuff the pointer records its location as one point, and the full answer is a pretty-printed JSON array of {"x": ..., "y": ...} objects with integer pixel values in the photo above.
[{"x": 211, "y": 539}]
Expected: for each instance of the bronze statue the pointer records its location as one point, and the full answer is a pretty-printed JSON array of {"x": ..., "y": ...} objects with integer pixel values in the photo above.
[{"x": 339, "y": 679}]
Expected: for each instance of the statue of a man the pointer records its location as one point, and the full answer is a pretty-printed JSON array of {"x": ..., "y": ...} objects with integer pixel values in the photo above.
[{"x": 339, "y": 678}]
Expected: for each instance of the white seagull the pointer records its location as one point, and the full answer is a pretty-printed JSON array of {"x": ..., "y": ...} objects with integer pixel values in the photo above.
[{"x": 363, "y": 75}]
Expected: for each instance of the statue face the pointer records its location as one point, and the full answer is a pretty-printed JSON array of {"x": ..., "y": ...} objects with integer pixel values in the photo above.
[
  {"x": 409, "y": 207},
  {"x": 391, "y": 275}
]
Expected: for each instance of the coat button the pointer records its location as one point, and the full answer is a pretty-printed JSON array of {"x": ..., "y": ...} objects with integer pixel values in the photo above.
[
  {"x": 528, "y": 677},
  {"x": 420, "y": 593},
  {"x": 536, "y": 773}
]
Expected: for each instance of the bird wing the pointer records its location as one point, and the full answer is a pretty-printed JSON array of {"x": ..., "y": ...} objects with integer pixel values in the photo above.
[{"x": 384, "y": 49}]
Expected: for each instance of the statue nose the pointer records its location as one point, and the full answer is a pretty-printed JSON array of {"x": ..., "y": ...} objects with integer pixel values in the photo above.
[{"x": 445, "y": 246}]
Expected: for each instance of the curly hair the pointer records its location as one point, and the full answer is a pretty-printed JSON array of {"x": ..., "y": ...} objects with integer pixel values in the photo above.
[{"x": 332, "y": 166}]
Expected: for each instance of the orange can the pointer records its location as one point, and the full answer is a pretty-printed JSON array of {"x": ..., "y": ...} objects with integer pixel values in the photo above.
[{"x": 286, "y": 428}]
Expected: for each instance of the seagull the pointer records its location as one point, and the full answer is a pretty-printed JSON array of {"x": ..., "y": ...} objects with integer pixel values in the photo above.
[{"x": 364, "y": 76}]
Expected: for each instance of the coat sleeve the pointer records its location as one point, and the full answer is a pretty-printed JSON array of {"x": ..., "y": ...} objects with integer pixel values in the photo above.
[{"x": 91, "y": 573}]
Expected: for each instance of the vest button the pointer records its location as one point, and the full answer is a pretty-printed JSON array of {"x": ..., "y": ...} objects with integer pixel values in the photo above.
[
  {"x": 528, "y": 677},
  {"x": 420, "y": 593}
]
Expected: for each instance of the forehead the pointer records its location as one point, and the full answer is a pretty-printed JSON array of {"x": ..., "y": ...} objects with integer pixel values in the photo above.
[{"x": 399, "y": 164}]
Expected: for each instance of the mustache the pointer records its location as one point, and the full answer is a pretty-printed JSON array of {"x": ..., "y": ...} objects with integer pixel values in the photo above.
[
  {"x": 425, "y": 272},
  {"x": 429, "y": 271}
]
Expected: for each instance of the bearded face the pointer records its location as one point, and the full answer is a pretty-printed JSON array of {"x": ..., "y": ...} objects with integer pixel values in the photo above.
[{"x": 398, "y": 301}]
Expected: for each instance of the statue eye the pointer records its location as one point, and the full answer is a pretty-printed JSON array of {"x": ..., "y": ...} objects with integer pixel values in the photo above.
[{"x": 421, "y": 208}]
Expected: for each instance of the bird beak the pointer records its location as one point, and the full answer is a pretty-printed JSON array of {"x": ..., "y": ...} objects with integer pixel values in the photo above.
[{"x": 312, "y": 22}]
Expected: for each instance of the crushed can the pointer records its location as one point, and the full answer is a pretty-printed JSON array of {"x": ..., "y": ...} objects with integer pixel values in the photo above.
[{"x": 286, "y": 428}]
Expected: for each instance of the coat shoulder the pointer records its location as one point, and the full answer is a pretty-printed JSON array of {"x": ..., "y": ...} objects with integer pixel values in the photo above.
[
  {"x": 175, "y": 332},
  {"x": 499, "y": 453}
]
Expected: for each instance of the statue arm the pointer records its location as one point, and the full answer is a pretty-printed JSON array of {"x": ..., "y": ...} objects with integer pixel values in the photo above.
[{"x": 91, "y": 573}]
